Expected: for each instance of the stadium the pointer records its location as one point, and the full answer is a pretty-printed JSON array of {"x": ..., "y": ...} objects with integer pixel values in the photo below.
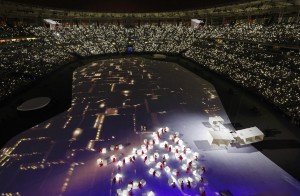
[{"x": 150, "y": 97}]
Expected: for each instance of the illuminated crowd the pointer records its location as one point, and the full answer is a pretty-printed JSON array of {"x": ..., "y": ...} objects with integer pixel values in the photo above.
[
  {"x": 240, "y": 52},
  {"x": 272, "y": 34},
  {"x": 9, "y": 32},
  {"x": 275, "y": 77},
  {"x": 22, "y": 63}
]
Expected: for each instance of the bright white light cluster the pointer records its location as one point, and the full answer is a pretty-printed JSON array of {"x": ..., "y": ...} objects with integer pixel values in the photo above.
[{"x": 167, "y": 156}]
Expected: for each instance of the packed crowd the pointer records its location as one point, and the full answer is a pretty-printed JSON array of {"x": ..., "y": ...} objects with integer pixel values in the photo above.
[
  {"x": 273, "y": 34},
  {"x": 9, "y": 32},
  {"x": 240, "y": 52},
  {"x": 90, "y": 40},
  {"x": 21, "y": 63},
  {"x": 275, "y": 77}
]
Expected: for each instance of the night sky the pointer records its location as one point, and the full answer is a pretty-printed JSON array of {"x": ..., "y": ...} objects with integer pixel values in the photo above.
[{"x": 128, "y": 5}]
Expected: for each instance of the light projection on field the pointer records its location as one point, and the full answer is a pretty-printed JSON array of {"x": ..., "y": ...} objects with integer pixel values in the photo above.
[{"x": 137, "y": 127}]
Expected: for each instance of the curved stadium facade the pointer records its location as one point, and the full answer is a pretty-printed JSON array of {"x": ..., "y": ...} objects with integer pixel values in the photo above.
[{"x": 255, "y": 45}]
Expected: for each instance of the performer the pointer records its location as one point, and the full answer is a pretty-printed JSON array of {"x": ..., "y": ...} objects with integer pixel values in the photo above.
[{"x": 189, "y": 184}]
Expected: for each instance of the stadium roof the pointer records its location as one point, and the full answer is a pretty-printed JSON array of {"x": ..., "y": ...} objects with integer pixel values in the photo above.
[{"x": 128, "y": 5}]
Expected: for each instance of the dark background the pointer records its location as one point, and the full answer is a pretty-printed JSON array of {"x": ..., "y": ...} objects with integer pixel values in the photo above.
[{"x": 129, "y": 5}]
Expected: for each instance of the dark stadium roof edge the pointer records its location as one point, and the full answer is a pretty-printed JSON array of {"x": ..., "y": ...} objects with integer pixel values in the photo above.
[{"x": 10, "y": 9}]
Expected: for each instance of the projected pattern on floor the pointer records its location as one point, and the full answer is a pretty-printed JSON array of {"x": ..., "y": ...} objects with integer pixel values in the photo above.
[{"x": 103, "y": 145}]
